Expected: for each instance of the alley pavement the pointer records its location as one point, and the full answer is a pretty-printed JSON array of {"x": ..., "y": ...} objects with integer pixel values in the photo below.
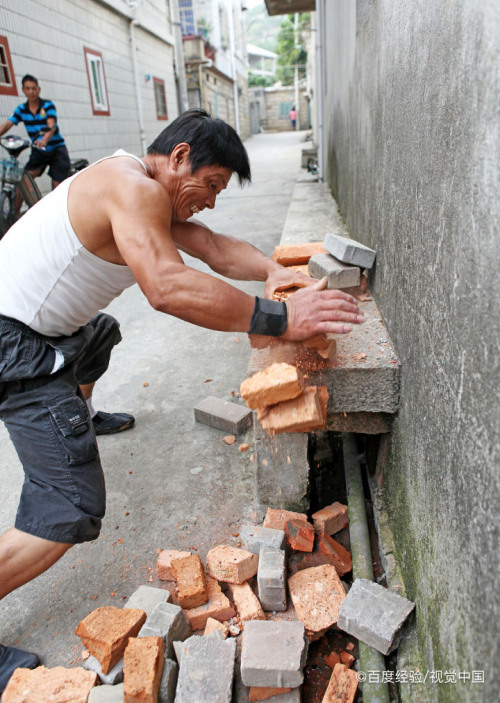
[{"x": 171, "y": 483}]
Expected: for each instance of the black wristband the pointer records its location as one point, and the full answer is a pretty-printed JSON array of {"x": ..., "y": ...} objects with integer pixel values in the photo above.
[{"x": 269, "y": 317}]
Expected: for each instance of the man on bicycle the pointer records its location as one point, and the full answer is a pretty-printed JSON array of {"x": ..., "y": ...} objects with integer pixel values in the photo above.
[{"x": 40, "y": 119}]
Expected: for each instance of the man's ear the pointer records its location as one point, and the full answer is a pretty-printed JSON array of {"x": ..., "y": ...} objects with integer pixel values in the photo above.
[{"x": 180, "y": 155}]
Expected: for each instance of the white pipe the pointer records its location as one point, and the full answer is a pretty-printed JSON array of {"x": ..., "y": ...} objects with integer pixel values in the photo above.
[
  {"x": 320, "y": 11},
  {"x": 179, "y": 57}
]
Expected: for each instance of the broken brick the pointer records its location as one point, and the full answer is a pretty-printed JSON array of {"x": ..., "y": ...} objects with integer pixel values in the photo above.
[
  {"x": 301, "y": 414},
  {"x": 297, "y": 254},
  {"x": 246, "y": 602},
  {"x": 190, "y": 577},
  {"x": 332, "y": 659},
  {"x": 262, "y": 693},
  {"x": 142, "y": 669},
  {"x": 341, "y": 558},
  {"x": 231, "y": 564},
  {"x": 276, "y": 518},
  {"x": 300, "y": 535},
  {"x": 331, "y": 519},
  {"x": 57, "y": 684},
  {"x": 274, "y": 384},
  {"x": 317, "y": 594},
  {"x": 216, "y": 626},
  {"x": 342, "y": 685},
  {"x": 322, "y": 344},
  {"x": 346, "y": 659},
  {"x": 218, "y": 607},
  {"x": 106, "y": 631},
  {"x": 164, "y": 563}
]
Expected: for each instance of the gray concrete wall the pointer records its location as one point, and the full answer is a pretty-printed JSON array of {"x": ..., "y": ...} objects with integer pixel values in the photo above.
[{"x": 412, "y": 136}]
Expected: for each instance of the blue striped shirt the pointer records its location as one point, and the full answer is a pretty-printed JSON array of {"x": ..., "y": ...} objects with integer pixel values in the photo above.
[{"x": 34, "y": 123}]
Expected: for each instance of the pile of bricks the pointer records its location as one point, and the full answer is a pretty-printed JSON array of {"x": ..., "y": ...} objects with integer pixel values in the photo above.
[{"x": 282, "y": 400}]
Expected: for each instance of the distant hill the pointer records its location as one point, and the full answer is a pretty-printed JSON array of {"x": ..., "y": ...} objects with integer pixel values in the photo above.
[{"x": 262, "y": 30}]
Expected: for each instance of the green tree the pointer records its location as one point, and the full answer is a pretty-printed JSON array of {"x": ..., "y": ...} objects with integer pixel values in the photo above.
[{"x": 290, "y": 47}]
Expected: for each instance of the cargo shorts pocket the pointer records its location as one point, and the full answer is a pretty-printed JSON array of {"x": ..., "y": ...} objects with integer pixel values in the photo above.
[{"x": 71, "y": 418}]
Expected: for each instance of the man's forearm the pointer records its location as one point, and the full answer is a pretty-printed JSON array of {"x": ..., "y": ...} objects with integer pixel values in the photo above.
[{"x": 239, "y": 260}]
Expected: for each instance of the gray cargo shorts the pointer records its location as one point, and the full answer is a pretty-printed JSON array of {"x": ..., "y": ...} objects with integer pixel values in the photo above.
[{"x": 63, "y": 495}]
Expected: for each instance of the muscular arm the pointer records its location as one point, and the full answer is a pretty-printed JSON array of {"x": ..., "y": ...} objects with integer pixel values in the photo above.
[{"x": 5, "y": 126}]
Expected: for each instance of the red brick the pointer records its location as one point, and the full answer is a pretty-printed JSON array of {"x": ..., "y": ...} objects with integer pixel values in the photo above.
[
  {"x": 246, "y": 602},
  {"x": 341, "y": 558},
  {"x": 213, "y": 625},
  {"x": 164, "y": 563},
  {"x": 297, "y": 254},
  {"x": 302, "y": 414},
  {"x": 106, "y": 631},
  {"x": 190, "y": 577},
  {"x": 332, "y": 659},
  {"x": 342, "y": 686},
  {"x": 274, "y": 384},
  {"x": 261, "y": 693},
  {"x": 298, "y": 561},
  {"x": 316, "y": 594},
  {"x": 331, "y": 519},
  {"x": 322, "y": 344},
  {"x": 58, "y": 685},
  {"x": 231, "y": 564},
  {"x": 218, "y": 607},
  {"x": 346, "y": 659},
  {"x": 142, "y": 669},
  {"x": 300, "y": 535},
  {"x": 277, "y": 518}
]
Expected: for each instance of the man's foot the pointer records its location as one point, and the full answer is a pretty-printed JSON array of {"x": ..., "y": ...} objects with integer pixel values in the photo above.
[
  {"x": 110, "y": 423},
  {"x": 12, "y": 658}
]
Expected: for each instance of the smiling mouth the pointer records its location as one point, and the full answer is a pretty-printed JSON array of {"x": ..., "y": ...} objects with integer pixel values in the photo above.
[{"x": 195, "y": 210}]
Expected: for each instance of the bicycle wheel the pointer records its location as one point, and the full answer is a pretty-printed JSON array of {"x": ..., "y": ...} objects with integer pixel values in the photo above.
[
  {"x": 29, "y": 189},
  {"x": 7, "y": 210}
]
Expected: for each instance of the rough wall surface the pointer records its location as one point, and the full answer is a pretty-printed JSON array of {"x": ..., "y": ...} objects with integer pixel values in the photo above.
[{"x": 412, "y": 144}]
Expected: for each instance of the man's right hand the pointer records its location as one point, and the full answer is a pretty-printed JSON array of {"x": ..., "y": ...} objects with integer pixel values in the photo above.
[{"x": 315, "y": 309}]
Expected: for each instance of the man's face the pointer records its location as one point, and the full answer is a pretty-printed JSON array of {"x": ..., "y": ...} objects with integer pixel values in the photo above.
[
  {"x": 198, "y": 190},
  {"x": 31, "y": 90}
]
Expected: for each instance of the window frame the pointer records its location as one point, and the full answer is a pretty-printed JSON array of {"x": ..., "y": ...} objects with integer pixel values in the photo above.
[
  {"x": 8, "y": 88},
  {"x": 160, "y": 81},
  {"x": 91, "y": 55}
]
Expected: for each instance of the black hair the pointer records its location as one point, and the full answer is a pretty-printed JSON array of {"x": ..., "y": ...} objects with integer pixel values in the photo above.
[
  {"x": 29, "y": 77},
  {"x": 212, "y": 142}
]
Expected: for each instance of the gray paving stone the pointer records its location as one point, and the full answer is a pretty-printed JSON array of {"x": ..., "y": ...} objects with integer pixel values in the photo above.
[
  {"x": 168, "y": 683},
  {"x": 112, "y": 677},
  {"x": 169, "y": 622},
  {"x": 339, "y": 275},
  {"x": 179, "y": 647},
  {"x": 273, "y": 653},
  {"x": 253, "y": 537},
  {"x": 349, "y": 251},
  {"x": 106, "y": 694},
  {"x": 147, "y": 598},
  {"x": 374, "y": 615},
  {"x": 293, "y": 696},
  {"x": 271, "y": 579},
  {"x": 206, "y": 671},
  {"x": 223, "y": 415}
]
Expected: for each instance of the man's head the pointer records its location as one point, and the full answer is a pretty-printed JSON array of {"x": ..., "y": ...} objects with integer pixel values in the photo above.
[
  {"x": 31, "y": 89},
  {"x": 211, "y": 141}
]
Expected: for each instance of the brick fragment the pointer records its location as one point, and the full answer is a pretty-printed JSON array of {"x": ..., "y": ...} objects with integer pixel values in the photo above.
[
  {"x": 142, "y": 669},
  {"x": 262, "y": 693},
  {"x": 218, "y": 607},
  {"x": 276, "y": 518},
  {"x": 190, "y": 577},
  {"x": 346, "y": 659},
  {"x": 271, "y": 579},
  {"x": 246, "y": 602},
  {"x": 331, "y": 519},
  {"x": 300, "y": 535},
  {"x": 253, "y": 537},
  {"x": 332, "y": 659},
  {"x": 317, "y": 594},
  {"x": 106, "y": 631},
  {"x": 168, "y": 681},
  {"x": 40, "y": 685},
  {"x": 341, "y": 558},
  {"x": 147, "y": 598},
  {"x": 169, "y": 622},
  {"x": 283, "y": 292},
  {"x": 231, "y": 564},
  {"x": 339, "y": 275},
  {"x": 349, "y": 251},
  {"x": 216, "y": 626},
  {"x": 206, "y": 671},
  {"x": 342, "y": 686},
  {"x": 297, "y": 254},
  {"x": 223, "y": 415},
  {"x": 164, "y": 563},
  {"x": 322, "y": 344},
  {"x": 276, "y": 383},
  {"x": 302, "y": 414},
  {"x": 298, "y": 561},
  {"x": 106, "y": 694}
]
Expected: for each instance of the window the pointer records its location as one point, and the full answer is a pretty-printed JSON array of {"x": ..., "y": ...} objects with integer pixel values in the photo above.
[
  {"x": 186, "y": 16},
  {"x": 160, "y": 99},
  {"x": 97, "y": 82},
  {"x": 285, "y": 110},
  {"x": 7, "y": 78}
]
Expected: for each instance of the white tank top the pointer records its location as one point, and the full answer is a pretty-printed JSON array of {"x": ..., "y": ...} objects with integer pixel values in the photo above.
[{"x": 48, "y": 280}]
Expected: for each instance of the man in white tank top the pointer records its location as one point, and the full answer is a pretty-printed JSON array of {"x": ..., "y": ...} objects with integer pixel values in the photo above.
[{"x": 64, "y": 261}]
